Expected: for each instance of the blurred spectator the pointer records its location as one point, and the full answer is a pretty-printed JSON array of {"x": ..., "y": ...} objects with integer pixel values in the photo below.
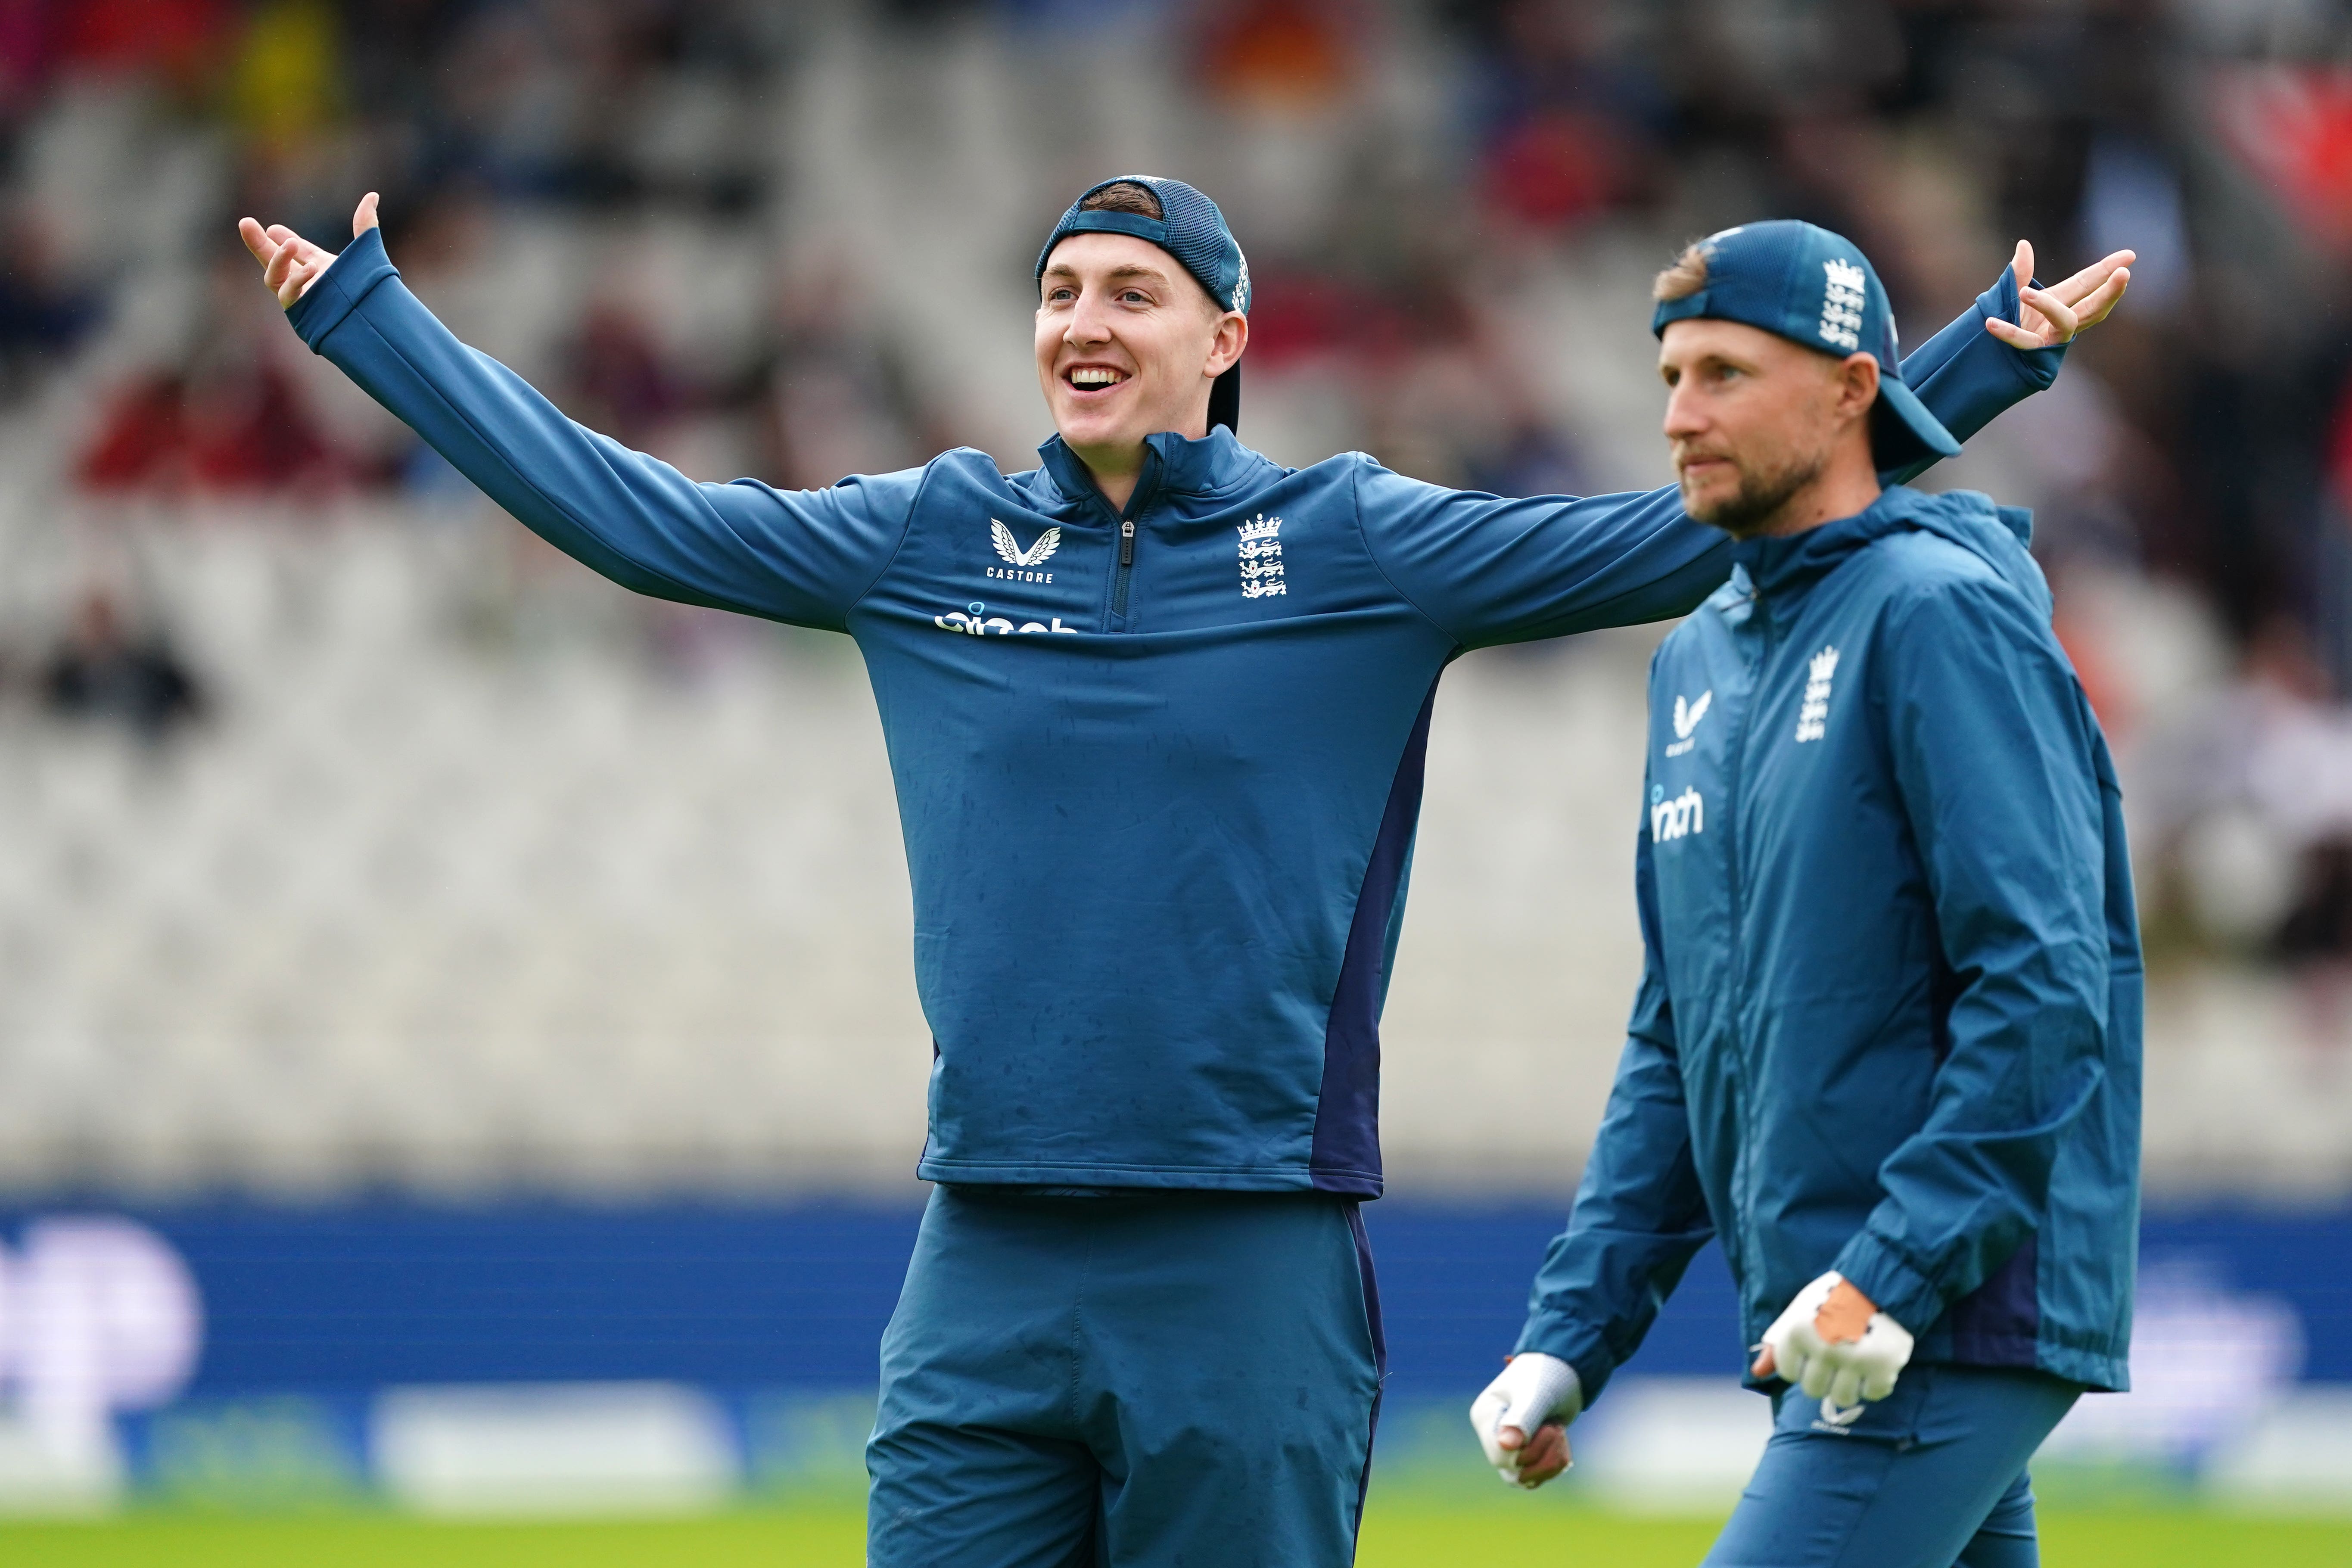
[
  {"x": 2318, "y": 927},
  {"x": 1279, "y": 54},
  {"x": 2292, "y": 124},
  {"x": 286, "y": 84},
  {"x": 1527, "y": 456},
  {"x": 2252, "y": 797},
  {"x": 619, "y": 382},
  {"x": 24, "y": 50},
  {"x": 181, "y": 42},
  {"x": 832, "y": 400},
  {"x": 101, "y": 672},
  {"x": 231, "y": 418},
  {"x": 1569, "y": 121},
  {"x": 218, "y": 427},
  {"x": 44, "y": 311}
]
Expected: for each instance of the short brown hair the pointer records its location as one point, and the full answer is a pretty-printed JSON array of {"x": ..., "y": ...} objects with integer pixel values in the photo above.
[
  {"x": 1685, "y": 277},
  {"x": 1125, "y": 197}
]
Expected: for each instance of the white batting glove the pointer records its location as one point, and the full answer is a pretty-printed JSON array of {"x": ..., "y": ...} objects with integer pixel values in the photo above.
[
  {"x": 1838, "y": 1356},
  {"x": 1533, "y": 1390}
]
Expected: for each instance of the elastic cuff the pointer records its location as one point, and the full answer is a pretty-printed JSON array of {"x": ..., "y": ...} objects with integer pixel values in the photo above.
[
  {"x": 2037, "y": 368},
  {"x": 1564, "y": 1339},
  {"x": 1896, "y": 1288},
  {"x": 340, "y": 288}
]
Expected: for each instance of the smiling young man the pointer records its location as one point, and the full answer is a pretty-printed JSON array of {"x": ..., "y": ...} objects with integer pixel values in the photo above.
[
  {"x": 1886, "y": 1042},
  {"x": 1156, "y": 714}
]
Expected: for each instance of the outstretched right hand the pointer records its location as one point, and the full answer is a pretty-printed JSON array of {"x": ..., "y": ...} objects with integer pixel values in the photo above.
[{"x": 290, "y": 264}]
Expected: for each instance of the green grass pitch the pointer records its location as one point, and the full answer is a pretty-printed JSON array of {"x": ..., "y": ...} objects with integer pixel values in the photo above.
[{"x": 834, "y": 1538}]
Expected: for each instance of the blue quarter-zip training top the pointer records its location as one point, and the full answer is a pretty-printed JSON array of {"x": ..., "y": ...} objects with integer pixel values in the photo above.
[
  {"x": 1158, "y": 769},
  {"x": 1889, "y": 1021}
]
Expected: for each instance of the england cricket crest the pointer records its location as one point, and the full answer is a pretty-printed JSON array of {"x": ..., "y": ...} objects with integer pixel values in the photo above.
[
  {"x": 1813, "y": 711},
  {"x": 1842, "y": 292},
  {"x": 1260, "y": 557}
]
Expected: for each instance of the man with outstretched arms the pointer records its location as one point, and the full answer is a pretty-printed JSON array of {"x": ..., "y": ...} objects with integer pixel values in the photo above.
[
  {"x": 1155, "y": 713},
  {"x": 1887, "y": 1043}
]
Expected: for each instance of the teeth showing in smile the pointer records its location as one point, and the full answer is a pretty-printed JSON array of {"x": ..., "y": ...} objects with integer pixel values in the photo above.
[{"x": 1094, "y": 375}]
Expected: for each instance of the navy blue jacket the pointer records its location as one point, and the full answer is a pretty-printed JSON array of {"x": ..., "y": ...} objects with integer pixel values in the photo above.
[
  {"x": 1158, "y": 769},
  {"x": 1889, "y": 1021}
]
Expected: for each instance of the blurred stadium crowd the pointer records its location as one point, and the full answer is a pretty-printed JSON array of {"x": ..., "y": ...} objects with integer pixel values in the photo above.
[{"x": 352, "y": 835}]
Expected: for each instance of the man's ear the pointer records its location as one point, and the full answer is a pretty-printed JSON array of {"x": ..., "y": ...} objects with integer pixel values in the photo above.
[
  {"x": 1858, "y": 385},
  {"x": 1225, "y": 348}
]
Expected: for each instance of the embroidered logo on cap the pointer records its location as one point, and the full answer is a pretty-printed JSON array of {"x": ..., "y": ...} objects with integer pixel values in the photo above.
[{"x": 1842, "y": 305}]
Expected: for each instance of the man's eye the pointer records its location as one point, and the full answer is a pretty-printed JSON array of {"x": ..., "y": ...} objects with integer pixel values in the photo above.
[{"x": 1135, "y": 297}]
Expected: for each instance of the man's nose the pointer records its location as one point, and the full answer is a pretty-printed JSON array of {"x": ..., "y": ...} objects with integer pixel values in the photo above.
[
  {"x": 1089, "y": 323},
  {"x": 1683, "y": 416}
]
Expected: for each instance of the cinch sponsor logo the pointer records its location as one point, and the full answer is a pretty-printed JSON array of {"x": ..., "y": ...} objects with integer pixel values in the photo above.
[
  {"x": 975, "y": 620},
  {"x": 1685, "y": 814}
]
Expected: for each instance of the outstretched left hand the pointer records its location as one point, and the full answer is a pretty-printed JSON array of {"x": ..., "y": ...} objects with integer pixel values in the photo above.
[{"x": 2051, "y": 316}]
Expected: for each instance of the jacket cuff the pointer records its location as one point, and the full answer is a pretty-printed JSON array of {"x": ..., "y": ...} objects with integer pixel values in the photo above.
[
  {"x": 340, "y": 289},
  {"x": 2035, "y": 367},
  {"x": 1896, "y": 1288},
  {"x": 1578, "y": 1345}
]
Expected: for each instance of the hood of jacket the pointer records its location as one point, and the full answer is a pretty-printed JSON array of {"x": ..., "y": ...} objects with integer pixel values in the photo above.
[{"x": 1775, "y": 568}]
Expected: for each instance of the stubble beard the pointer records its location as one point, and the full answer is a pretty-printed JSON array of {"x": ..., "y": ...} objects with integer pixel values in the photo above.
[{"x": 1762, "y": 497}]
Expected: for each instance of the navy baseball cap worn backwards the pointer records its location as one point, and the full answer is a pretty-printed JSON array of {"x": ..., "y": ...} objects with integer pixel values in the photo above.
[
  {"x": 1192, "y": 231},
  {"x": 1818, "y": 289}
]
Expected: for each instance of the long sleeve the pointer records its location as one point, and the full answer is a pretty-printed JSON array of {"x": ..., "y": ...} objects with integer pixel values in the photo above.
[
  {"x": 804, "y": 557},
  {"x": 1994, "y": 752},
  {"x": 1640, "y": 1213},
  {"x": 1489, "y": 569}
]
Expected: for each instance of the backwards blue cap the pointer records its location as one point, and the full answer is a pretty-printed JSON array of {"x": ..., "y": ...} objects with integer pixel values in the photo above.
[
  {"x": 1811, "y": 287},
  {"x": 1194, "y": 233}
]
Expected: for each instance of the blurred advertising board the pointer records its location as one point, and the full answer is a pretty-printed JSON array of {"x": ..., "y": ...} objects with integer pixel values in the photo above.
[{"x": 522, "y": 1357}]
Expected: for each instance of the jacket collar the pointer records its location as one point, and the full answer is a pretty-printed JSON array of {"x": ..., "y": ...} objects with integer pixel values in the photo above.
[
  {"x": 1171, "y": 463},
  {"x": 1773, "y": 569}
]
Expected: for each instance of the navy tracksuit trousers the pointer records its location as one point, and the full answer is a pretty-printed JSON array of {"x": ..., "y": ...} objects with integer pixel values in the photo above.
[{"x": 1139, "y": 1380}]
